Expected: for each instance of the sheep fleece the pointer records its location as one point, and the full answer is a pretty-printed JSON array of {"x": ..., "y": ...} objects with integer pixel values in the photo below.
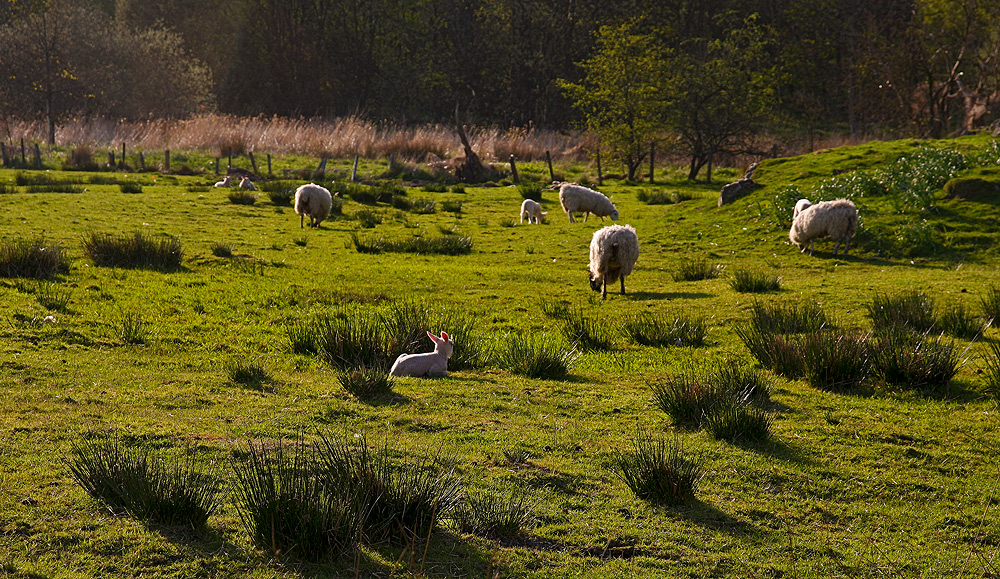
[
  {"x": 837, "y": 219},
  {"x": 613, "y": 251},
  {"x": 314, "y": 201},
  {"x": 579, "y": 199}
]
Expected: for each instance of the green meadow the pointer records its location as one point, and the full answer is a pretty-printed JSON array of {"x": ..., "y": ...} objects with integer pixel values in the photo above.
[{"x": 883, "y": 478}]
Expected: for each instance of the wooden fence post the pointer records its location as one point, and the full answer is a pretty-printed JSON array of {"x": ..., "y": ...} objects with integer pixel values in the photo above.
[
  {"x": 321, "y": 170},
  {"x": 38, "y": 157},
  {"x": 652, "y": 154},
  {"x": 166, "y": 160},
  {"x": 354, "y": 171},
  {"x": 253, "y": 162},
  {"x": 269, "y": 174},
  {"x": 122, "y": 161},
  {"x": 548, "y": 159},
  {"x": 600, "y": 179},
  {"x": 230, "y": 166},
  {"x": 142, "y": 162},
  {"x": 111, "y": 159},
  {"x": 513, "y": 170},
  {"x": 216, "y": 166},
  {"x": 3, "y": 149},
  {"x": 24, "y": 160}
]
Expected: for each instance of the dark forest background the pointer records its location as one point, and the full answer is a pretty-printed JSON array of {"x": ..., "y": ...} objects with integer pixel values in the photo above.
[{"x": 919, "y": 67}]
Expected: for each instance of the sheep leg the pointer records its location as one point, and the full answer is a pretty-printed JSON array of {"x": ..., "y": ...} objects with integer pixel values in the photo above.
[
  {"x": 585, "y": 216},
  {"x": 622, "y": 279},
  {"x": 604, "y": 287},
  {"x": 302, "y": 220},
  {"x": 835, "y": 248},
  {"x": 570, "y": 213}
]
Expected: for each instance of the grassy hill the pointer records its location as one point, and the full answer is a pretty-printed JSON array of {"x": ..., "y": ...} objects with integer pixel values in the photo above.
[{"x": 200, "y": 360}]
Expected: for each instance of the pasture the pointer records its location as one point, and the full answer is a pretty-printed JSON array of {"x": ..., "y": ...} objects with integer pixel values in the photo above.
[{"x": 884, "y": 480}]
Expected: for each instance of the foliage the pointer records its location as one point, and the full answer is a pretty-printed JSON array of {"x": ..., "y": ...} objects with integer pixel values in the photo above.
[
  {"x": 366, "y": 382},
  {"x": 242, "y": 197},
  {"x": 661, "y": 330},
  {"x": 754, "y": 281},
  {"x": 739, "y": 422},
  {"x": 911, "y": 310},
  {"x": 901, "y": 358},
  {"x": 134, "y": 251},
  {"x": 835, "y": 360},
  {"x": 535, "y": 357},
  {"x": 34, "y": 259},
  {"x": 961, "y": 322},
  {"x": 688, "y": 398},
  {"x": 587, "y": 333},
  {"x": 787, "y": 318},
  {"x": 497, "y": 513},
  {"x": 657, "y": 471},
  {"x": 697, "y": 270}
]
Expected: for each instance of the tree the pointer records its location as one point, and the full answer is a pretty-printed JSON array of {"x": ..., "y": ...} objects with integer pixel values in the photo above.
[
  {"x": 721, "y": 95},
  {"x": 621, "y": 93}
]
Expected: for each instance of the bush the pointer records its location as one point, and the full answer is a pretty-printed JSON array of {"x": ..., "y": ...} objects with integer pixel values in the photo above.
[
  {"x": 836, "y": 361},
  {"x": 901, "y": 358},
  {"x": 128, "y": 479},
  {"x": 754, "y": 281},
  {"x": 783, "y": 205},
  {"x": 34, "y": 259},
  {"x": 537, "y": 358},
  {"x": 496, "y": 514},
  {"x": 658, "y": 330},
  {"x": 656, "y": 471},
  {"x": 133, "y": 251},
  {"x": 697, "y": 270},
  {"x": 912, "y": 310}
]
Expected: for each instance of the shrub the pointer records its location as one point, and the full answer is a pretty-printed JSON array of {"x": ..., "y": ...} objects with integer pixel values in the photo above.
[
  {"x": 133, "y": 251},
  {"x": 242, "y": 197},
  {"x": 656, "y": 471},
  {"x": 659, "y": 330},
  {"x": 990, "y": 302},
  {"x": 366, "y": 382},
  {"x": 912, "y": 310},
  {"x": 246, "y": 372},
  {"x": 739, "y": 422},
  {"x": 128, "y": 479},
  {"x": 585, "y": 332},
  {"x": 754, "y": 281},
  {"x": 34, "y": 259},
  {"x": 537, "y": 358},
  {"x": 836, "y": 361},
  {"x": 902, "y": 358},
  {"x": 496, "y": 513},
  {"x": 697, "y": 270},
  {"x": 787, "y": 319},
  {"x": 961, "y": 323}
]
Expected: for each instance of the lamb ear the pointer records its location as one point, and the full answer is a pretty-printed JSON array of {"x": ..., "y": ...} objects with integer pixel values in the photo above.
[
  {"x": 444, "y": 336},
  {"x": 433, "y": 337}
]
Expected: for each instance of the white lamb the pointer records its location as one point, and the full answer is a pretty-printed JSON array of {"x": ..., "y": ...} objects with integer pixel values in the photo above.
[
  {"x": 246, "y": 183},
  {"x": 837, "y": 219},
  {"x": 613, "y": 251},
  {"x": 226, "y": 182},
  {"x": 433, "y": 364},
  {"x": 579, "y": 199},
  {"x": 314, "y": 201},
  {"x": 531, "y": 210}
]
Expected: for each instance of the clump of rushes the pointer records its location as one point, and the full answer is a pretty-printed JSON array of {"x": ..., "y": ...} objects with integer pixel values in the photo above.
[
  {"x": 990, "y": 302},
  {"x": 836, "y": 361},
  {"x": 33, "y": 259},
  {"x": 444, "y": 245},
  {"x": 650, "y": 329},
  {"x": 247, "y": 372},
  {"x": 991, "y": 371},
  {"x": 130, "y": 187},
  {"x": 241, "y": 197},
  {"x": 536, "y": 358},
  {"x": 901, "y": 358},
  {"x": 912, "y": 310},
  {"x": 133, "y": 329},
  {"x": 754, "y": 281},
  {"x": 496, "y": 513},
  {"x": 134, "y": 251},
  {"x": 697, "y": 270},
  {"x": 780, "y": 353},
  {"x": 531, "y": 191},
  {"x": 366, "y": 382},
  {"x": 587, "y": 333},
  {"x": 743, "y": 381},
  {"x": 657, "y": 471},
  {"x": 687, "y": 398},
  {"x": 787, "y": 318},
  {"x": 739, "y": 422},
  {"x": 961, "y": 322},
  {"x": 129, "y": 479},
  {"x": 222, "y": 249}
]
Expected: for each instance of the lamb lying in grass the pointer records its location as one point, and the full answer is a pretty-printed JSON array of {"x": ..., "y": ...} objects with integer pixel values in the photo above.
[
  {"x": 433, "y": 364},
  {"x": 226, "y": 182}
]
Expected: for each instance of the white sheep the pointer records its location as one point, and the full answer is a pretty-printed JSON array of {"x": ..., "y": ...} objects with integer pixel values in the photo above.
[
  {"x": 531, "y": 210},
  {"x": 613, "y": 251},
  {"x": 579, "y": 199},
  {"x": 314, "y": 201},
  {"x": 246, "y": 183},
  {"x": 837, "y": 219},
  {"x": 431, "y": 364},
  {"x": 226, "y": 182}
]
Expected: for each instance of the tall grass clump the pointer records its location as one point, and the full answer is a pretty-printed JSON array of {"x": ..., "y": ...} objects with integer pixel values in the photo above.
[
  {"x": 531, "y": 191},
  {"x": 585, "y": 332},
  {"x": 52, "y": 296},
  {"x": 904, "y": 359},
  {"x": 347, "y": 339},
  {"x": 697, "y": 270},
  {"x": 961, "y": 322},
  {"x": 743, "y": 382},
  {"x": 991, "y": 371},
  {"x": 658, "y": 330},
  {"x": 288, "y": 507},
  {"x": 279, "y": 192},
  {"x": 366, "y": 382},
  {"x": 129, "y": 479},
  {"x": 739, "y": 422},
  {"x": 912, "y": 310},
  {"x": 535, "y": 358},
  {"x": 990, "y": 302},
  {"x": 444, "y": 245},
  {"x": 242, "y": 197},
  {"x": 474, "y": 348},
  {"x": 836, "y": 361},
  {"x": 688, "y": 398},
  {"x": 33, "y": 259},
  {"x": 132, "y": 328},
  {"x": 780, "y": 353},
  {"x": 134, "y": 251},
  {"x": 657, "y": 471},
  {"x": 787, "y": 318},
  {"x": 131, "y": 187},
  {"x": 662, "y": 198},
  {"x": 247, "y": 372},
  {"x": 754, "y": 281},
  {"x": 496, "y": 513}
]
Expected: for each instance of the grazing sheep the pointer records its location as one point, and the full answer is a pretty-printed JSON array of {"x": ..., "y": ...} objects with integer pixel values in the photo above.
[
  {"x": 531, "y": 210},
  {"x": 800, "y": 206},
  {"x": 314, "y": 201},
  {"x": 246, "y": 183},
  {"x": 226, "y": 182},
  {"x": 613, "y": 251},
  {"x": 837, "y": 219},
  {"x": 432, "y": 364},
  {"x": 579, "y": 199}
]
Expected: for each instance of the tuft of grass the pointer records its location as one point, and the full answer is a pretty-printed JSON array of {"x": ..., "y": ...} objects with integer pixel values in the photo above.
[
  {"x": 52, "y": 296},
  {"x": 133, "y": 329},
  {"x": 657, "y": 471},
  {"x": 366, "y": 382},
  {"x": 134, "y": 251},
  {"x": 536, "y": 358},
  {"x": 901, "y": 358},
  {"x": 743, "y": 382},
  {"x": 130, "y": 187},
  {"x": 688, "y": 398},
  {"x": 222, "y": 249},
  {"x": 33, "y": 259},
  {"x": 587, "y": 333},
  {"x": 129, "y": 479},
  {"x": 496, "y": 513},
  {"x": 54, "y": 188},
  {"x": 651, "y": 329},
  {"x": 451, "y": 206},
  {"x": 754, "y": 281},
  {"x": 787, "y": 318},
  {"x": 739, "y": 422},
  {"x": 531, "y": 191},
  {"x": 367, "y": 218},
  {"x": 444, "y": 245},
  {"x": 780, "y": 353},
  {"x": 961, "y": 322},
  {"x": 911, "y": 310},
  {"x": 422, "y": 206},
  {"x": 697, "y": 270},
  {"x": 662, "y": 197},
  {"x": 836, "y": 361},
  {"x": 247, "y": 372},
  {"x": 553, "y": 309},
  {"x": 990, "y": 302},
  {"x": 242, "y": 197},
  {"x": 991, "y": 371}
]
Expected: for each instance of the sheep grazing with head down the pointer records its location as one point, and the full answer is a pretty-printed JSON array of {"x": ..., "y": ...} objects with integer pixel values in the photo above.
[
  {"x": 579, "y": 199},
  {"x": 532, "y": 211},
  {"x": 837, "y": 219},
  {"x": 613, "y": 251},
  {"x": 314, "y": 201},
  {"x": 433, "y": 364},
  {"x": 226, "y": 182}
]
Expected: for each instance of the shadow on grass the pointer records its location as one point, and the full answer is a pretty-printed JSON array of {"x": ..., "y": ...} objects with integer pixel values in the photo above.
[
  {"x": 710, "y": 517},
  {"x": 644, "y": 296}
]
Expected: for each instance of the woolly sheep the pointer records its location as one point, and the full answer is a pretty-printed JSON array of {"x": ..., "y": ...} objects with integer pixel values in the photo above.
[
  {"x": 613, "y": 251},
  {"x": 314, "y": 201},
  {"x": 531, "y": 210},
  {"x": 837, "y": 219},
  {"x": 246, "y": 183},
  {"x": 579, "y": 199},
  {"x": 433, "y": 364},
  {"x": 226, "y": 182}
]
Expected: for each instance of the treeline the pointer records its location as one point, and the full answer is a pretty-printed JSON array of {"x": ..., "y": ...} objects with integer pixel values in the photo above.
[{"x": 922, "y": 67}]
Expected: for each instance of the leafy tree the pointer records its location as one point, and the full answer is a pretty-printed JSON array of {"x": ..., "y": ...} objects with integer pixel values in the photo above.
[{"x": 621, "y": 93}]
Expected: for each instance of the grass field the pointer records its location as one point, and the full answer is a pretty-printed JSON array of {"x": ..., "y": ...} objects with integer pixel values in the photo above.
[{"x": 885, "y": 480}]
